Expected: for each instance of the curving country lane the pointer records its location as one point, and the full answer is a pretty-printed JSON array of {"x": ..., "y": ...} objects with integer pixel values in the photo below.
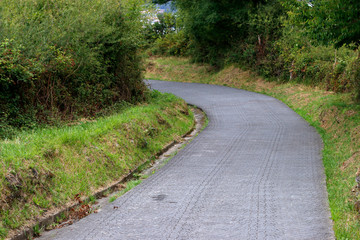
[{"x": 254, "y": 173}]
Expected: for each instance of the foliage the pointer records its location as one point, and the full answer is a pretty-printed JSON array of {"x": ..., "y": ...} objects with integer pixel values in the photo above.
[
  {"x": 355, "y": 76},
  {"x": 173, "y": 44},
  {"x": 65, "y": 58},
  {"x": 327, "y": 21},
  {"x": 165, "y": 24},
  {"x": 213, "y": 26},
  {"x": 307, "y": 58},
  {"x": 166, "y": 35},
  {"x": 258, "y": 49},
  {"x": 287, "y": 40}
]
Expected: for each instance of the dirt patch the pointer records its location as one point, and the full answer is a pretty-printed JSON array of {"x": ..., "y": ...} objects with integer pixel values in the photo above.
[
  {"x": 80, "y": 121},
  {"x": 262, "y": 85},
  {"x": 291, "y": 90},
  {"x": 150, "y": 66},
  {"x": 153, "y": 68},
  {"x": 355, "y": 134},
  {"x": 355, "y": 137},
  {"x": 350, "y": 113},
  {"x": 303, "y": 99},
  {"x": 351, "y": 161},
  {"x": 233, "y": 76},
  {"x": 329, "y": 117}
]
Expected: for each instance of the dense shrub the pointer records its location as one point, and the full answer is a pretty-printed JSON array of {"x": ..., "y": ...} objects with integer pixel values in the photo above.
[
  {"x": 164, "y": 24},
  {"x": 63, "y": 58},
  {"x": 355, "y": 75},
  {"x": 172, "y": 44},
  {"x": 213, "y": 27},
  {"x": 286, "y": 40},
  {"x": 165, "y": 36},
  {"x": 278, "y": 48},
  {"x": 285, "y": 60}
]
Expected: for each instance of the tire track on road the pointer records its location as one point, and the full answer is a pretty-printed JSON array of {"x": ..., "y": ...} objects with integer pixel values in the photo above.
[{"x": 254, "y": 173}]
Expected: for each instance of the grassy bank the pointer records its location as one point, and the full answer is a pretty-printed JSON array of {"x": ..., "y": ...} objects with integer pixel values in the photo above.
[
  {"x": 335, "y": 116},
  {"x": 43, "y": 170}
]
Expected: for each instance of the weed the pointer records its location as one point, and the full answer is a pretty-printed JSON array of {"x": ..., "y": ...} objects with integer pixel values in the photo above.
[
  {"x": 113, "y": 198},
  {"x": 60, "y": 218},
  {"x": 92, "y": 199},
  {"x": 3, "y": 232},
  {"x": 129, "y": 185},
  {"x": 37, "y": 230}
]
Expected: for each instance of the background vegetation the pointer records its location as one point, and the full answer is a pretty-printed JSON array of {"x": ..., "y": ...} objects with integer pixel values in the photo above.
[
  {"x": 66, "y": 58},
  {"x": 312, "y": 42}
]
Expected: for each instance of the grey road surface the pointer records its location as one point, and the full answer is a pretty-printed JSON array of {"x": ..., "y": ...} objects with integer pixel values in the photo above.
[{"x": 254, "y": 173}]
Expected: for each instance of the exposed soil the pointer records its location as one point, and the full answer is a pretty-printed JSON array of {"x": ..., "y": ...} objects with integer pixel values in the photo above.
[{"x": 355, "y": 158}]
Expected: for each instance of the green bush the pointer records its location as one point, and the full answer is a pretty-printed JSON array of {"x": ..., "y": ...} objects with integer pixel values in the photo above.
[
  {"x": 172, "y": 44},
  {"x": 153, "y": 30},
  {"x": 326, "y": 66},
  {"x": 65, "y": 58},
  {"x": 353, "y": 71},
  {"x": 272, "y": 38},
  {"x": 276, "y": 48}
]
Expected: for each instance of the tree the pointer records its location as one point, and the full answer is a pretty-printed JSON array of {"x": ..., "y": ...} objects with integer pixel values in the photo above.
[
  {"x": 327, "y": 21},
  {"x": 165, "y": 24},
  {"x": 214, "y": 25}
]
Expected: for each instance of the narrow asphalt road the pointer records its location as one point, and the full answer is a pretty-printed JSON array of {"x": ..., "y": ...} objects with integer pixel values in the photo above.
[{"x": 254, "y": 173}]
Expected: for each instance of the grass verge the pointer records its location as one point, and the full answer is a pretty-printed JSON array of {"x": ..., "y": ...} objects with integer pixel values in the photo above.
[
  {"x": 335, "y": 116},
  {"x": 47, "y": 169}
]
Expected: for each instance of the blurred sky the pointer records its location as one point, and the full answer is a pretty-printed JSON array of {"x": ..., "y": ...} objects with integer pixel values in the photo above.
[{"x": 166, "y": 7}]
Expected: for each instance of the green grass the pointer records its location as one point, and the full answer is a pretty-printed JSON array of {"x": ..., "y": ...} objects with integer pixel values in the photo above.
[
  {"x": 335, "y": 116},
  {"x": 46, "y": 168},
  {"x": 129, "y": 185}
]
